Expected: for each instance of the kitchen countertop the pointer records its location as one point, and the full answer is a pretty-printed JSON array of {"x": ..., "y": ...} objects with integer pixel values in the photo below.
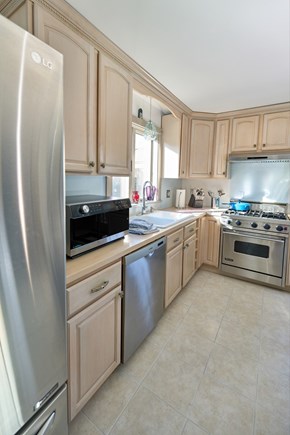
[{"x": 85, "y": 265}]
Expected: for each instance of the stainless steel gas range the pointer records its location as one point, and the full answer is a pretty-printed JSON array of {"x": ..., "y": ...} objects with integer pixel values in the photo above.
[{"x": 255, "y": 243}]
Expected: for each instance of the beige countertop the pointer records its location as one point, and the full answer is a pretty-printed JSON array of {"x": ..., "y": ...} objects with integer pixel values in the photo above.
[{"x": 85, "y": 265}]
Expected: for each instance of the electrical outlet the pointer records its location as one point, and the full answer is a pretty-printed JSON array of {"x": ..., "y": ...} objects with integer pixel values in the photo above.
[{"x": 168, "y": 193}]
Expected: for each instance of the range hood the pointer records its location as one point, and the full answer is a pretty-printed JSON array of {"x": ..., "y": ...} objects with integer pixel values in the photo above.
[
  {"x": 264, "y": 178},
  {"x": 258, "y": 157}
]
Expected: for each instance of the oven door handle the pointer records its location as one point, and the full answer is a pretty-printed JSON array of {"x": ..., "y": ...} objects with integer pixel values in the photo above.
[{"x": 251, "y": 236}]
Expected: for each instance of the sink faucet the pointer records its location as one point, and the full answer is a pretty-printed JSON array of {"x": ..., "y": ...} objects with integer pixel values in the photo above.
[{"x": 147, "y": 183}]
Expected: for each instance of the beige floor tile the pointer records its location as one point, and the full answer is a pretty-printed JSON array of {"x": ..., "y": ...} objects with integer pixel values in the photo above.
[
  {"x": 173, "y": 380},
  {"x": 243, "y": 340},
  {"x": 267, "y": 423},
  {"x": 175, "y": 312},
  {"x": 162, "y": 332},
  {"x": 191, "y": 348},
  {"x": 220, "y": 410},
  {"x": 274, "y": 392},
  {"x": 192, "y": 429},
  {"x": 148, "y": 415},
  {"x": 226, "y": 368},
  {"x": 211, "y": 302},
  {"x": 202, "y": 324},
  {"x": 249, "y": 293},
  {"x": 219, "y": 288},
  {"x": 244, "y": 313},
  {"x": 110, "y": 400},
  {"x": 142, "y": 360},
  {"x": 81, "y": 425},
  {"x": 278, "y": 333},
  {"x": 275, "y": 355}
]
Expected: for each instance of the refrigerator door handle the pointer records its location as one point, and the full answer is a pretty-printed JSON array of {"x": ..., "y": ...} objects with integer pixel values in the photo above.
[{"x": 47, "y": 425}]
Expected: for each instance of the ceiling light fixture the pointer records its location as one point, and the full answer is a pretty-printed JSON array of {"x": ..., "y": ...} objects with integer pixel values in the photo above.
[{"x": 150, "y": 132}]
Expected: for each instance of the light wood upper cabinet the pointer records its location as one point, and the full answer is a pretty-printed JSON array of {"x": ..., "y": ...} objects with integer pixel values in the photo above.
[
  {"x": 171, "y": 127},
  {"x": 201, "y": 146},
  {"x": 115, "y": 116},
  {"x": 221, "y": 148},
  {"x": 245, "y": 134},
  {"x": 184, "y": 146},
  {"x": 276, "y": 131},
  {"x": 94, "y": 348},
  {"x": 80, "y": 90}
]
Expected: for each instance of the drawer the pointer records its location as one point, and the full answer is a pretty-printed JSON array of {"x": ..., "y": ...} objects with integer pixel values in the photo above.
[
  {"x": 90, "y": 289},
  {"x": 189, "y": 230},
  {"x": 174, "y": 239}
]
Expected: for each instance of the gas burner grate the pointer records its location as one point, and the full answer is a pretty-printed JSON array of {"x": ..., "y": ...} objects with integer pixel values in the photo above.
[{"x": 272, "y": 215}]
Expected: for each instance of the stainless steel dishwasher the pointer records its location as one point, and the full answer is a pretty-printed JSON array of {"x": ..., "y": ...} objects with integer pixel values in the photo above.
[{"x": 143, "y": 302}]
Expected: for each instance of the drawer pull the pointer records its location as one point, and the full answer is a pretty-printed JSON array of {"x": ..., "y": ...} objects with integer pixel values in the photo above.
[
  {"x": 176, "y": 240},
  {"x": 191, "y": 230},
  {"x": 101, "y": 287}
]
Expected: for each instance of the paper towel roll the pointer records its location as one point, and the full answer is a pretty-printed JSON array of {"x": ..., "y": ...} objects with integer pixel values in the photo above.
[{"x": 180, "y": 198}]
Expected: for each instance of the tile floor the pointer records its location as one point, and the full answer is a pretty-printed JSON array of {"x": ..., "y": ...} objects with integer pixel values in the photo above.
[{"x": 218, "y": 362}]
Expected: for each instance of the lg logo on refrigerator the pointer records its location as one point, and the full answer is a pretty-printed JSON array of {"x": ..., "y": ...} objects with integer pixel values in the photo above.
[{"x": 40, "y": 60}]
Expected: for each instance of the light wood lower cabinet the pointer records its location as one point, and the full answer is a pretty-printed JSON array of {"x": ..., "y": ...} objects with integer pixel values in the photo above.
[
  {"x": 181, "y": 260},
  {"x": 173, "y": 278},
  {"x": 210, "y": 241},
  {"x": 287, "y": 283},
  {"x": 93, "y": 348},
  {"x": 188, "y": 259}
]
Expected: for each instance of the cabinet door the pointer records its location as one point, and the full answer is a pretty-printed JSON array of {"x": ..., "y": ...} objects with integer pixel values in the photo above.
[
  {"x": 173, "y": 281},
  {"x": 93, "y": 348},
  {"x": 276, "y": 131},
  {"x": 184, "y": 146},
  {"x": 210, "y": 241},
  {"x": 201, "y": 144},
  {"x": 188, "y": 259},
  {"x": 79, "y": 80},
  {"x": 171, "y": 127},
  {"x": 115, "y": 118},
  {"x": 221, "y": 148},
  {"x": 245, "y": 133}
]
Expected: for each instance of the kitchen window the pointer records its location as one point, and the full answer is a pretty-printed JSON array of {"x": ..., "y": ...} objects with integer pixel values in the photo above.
[{"x": 146, "y": 166}]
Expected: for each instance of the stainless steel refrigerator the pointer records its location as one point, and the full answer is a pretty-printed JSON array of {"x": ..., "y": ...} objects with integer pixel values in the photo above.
[{"x": 33, "y": 370}]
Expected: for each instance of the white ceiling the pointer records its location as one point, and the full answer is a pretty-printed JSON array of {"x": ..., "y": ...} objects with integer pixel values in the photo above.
[{"x": 214, "y": 55}]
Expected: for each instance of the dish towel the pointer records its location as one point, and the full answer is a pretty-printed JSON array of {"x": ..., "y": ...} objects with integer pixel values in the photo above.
[{"x": 141, "y": 226}]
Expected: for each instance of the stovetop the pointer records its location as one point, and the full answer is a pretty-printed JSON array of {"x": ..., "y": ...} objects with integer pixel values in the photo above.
[
  {"x": 259, "y": 218},
  {"x": 258, "y": 214}
]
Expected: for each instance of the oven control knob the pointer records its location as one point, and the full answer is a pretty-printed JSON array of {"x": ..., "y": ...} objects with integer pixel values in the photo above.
[
  {"x": 84, "y": 209},
  {"x": 279, "y": 228},
  {"x": 267, "y": 226},
  {"x": 238, "y": 223},
  {"x": 254, "y": 225},
  {"x": 229, "y": 221}
]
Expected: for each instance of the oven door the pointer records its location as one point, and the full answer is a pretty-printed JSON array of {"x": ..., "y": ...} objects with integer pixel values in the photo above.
[{"x": 256, "y": 253}]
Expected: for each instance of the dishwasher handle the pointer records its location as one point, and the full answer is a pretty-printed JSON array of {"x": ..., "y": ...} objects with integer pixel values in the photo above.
[{"x": 147, "y": 251}]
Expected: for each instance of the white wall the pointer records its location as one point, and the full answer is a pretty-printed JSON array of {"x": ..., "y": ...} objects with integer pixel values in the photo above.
[
  {"x": 207, "y": 184},
  {"x": 85, "y": 184}
]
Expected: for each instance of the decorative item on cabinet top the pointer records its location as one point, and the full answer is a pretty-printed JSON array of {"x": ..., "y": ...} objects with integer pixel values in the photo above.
[{"x": 150, "y": 132}]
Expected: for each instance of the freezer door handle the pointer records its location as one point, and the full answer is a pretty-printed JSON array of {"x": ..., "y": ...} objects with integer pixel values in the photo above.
[{"x": 47, "y": 425}]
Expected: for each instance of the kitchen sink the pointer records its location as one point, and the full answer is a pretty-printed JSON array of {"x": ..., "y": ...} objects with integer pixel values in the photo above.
[{"x": 163, "y": 219}]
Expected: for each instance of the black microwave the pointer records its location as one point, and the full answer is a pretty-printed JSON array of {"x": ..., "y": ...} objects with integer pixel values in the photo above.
[{"x": 93, "y": 221}]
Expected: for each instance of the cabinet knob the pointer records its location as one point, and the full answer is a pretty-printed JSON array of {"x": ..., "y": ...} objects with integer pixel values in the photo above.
[
  {"x": 92, "y": 164},
  {"x": 264, "y": 144},
  {"x": 102, "y": 165},
  {"x": 224, "y": 173},
  {"x": 255, "y": 145}
]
